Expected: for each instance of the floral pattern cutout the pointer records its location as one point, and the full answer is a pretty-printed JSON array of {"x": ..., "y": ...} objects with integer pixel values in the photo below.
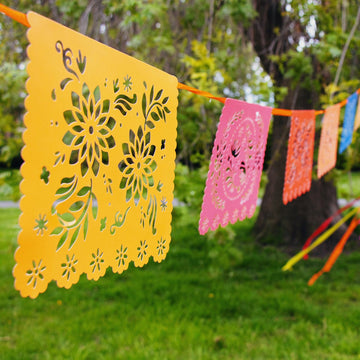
[
  {"x": 121, "y": 259},
  {"x": 90, "y": 134},
  {"x": 98, "y": 177},
  {"x": 236, "y": 164},
  {"x": 41, "y": 225},
  {"x": 35, "y": 273},
  {"x": 69, "y": 267},
  {"x": 299, "y": 160},
  {"x": 328, "y": 140},
  {"x": 138, "y": 165}
]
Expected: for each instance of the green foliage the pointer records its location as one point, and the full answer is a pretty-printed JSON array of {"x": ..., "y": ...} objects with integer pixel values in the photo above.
[
  {"x": 348, "y": 184},
  {"x": 12, "y": 94},
  {"x": 9, "y": 185}
]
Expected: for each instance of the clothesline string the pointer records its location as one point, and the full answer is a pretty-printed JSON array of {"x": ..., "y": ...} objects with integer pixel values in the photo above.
[
  {"x": 22, "y": 19},
  {"x": 15, "y": 15}
]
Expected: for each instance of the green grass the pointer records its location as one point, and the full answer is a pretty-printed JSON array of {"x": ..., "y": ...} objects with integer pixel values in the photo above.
[
  {"x": 348, "y": 185},
  {"x": 178, "y": 309}
]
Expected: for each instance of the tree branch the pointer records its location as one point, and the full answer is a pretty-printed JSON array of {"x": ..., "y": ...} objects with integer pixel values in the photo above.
[{"x": 345, "y": 49}]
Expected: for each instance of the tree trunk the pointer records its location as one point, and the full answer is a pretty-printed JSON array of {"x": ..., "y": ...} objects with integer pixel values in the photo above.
[
  {"x": 290, "y": 225},
  {"x": 273, "y": 33}
]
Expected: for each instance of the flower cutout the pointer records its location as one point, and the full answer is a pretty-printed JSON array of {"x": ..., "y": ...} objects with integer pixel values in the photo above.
[
  {"x": 142, "y": 250},
  {"x": 122, "y": 256},
  {"x": 138, "y": 166},
  {"x": 98, "y": 260},
  {"x": 35, "y": 273},
  {"x": 41, "y": 223},
  {"x": 161, "y": 247},
  {"x": 69, "y": 266},
  {"x": 90, "y": 130},
  {"x": 127, "y": 83}
]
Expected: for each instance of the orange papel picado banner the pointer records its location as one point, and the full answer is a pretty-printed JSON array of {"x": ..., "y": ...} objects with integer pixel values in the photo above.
[
  {"x": 328, "y": 140},
  {"x": 299, "y": 160},
  {"x": 99, "y": 160}
]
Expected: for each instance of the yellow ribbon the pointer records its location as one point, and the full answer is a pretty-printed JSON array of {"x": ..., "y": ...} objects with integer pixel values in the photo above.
[{"x": 296, "y": 258}]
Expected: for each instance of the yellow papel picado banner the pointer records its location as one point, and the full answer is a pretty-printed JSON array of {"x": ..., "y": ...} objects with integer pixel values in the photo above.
[{"x": 99, "y": 160}]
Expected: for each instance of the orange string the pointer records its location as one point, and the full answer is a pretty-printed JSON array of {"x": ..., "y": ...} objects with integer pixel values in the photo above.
[
  {"x": 22, "y": 19},
  {"x": 200, "y": 92},
  {"x": 275, "y": 111},
  {"x": 15, "y": 15},
  {"x": 281, "y": 112}
]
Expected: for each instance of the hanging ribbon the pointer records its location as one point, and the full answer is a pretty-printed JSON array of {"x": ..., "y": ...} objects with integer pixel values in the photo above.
[
  {"x": 319, "y": 241},
  {"x": 338, "y": 249},
  {"x": 326, "y": 223}
]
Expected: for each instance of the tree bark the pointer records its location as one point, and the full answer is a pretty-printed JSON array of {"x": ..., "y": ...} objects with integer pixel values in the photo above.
[{"x": 288, "y": 226}]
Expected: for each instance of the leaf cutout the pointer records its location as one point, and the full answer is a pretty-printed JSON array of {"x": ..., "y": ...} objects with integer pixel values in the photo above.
[
  {"x": 116, "y": 85},
  {"x": 158, "y": 95},
  {"x": 63, "y": 190},
  {"x": 150, "y": 124},
  {"x": 155, "y": 116},
  {"x": 94, "y": 206},
  {"x": 67, "y": 217},
  {"x": 67, "y": 180},
  {"x": 58, "y": 230},
  {"x": 144, "y": 105},
  {"x": 74, "y": 237},
  {"x": 83, "y": 191},
  {"x": 160, "y": 112},
  {"x": 78, "y": 205},
  {"x": 57, "y": 160},
  {"x": 86, "y": 224},
  {"x": 151, "y": 94},
  {"x": 64, "y": 83},
  {"x": 62, "y": 240}
]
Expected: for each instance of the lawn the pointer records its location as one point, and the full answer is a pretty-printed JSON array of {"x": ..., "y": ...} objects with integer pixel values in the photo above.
[{"x": 183, "y": 309}]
